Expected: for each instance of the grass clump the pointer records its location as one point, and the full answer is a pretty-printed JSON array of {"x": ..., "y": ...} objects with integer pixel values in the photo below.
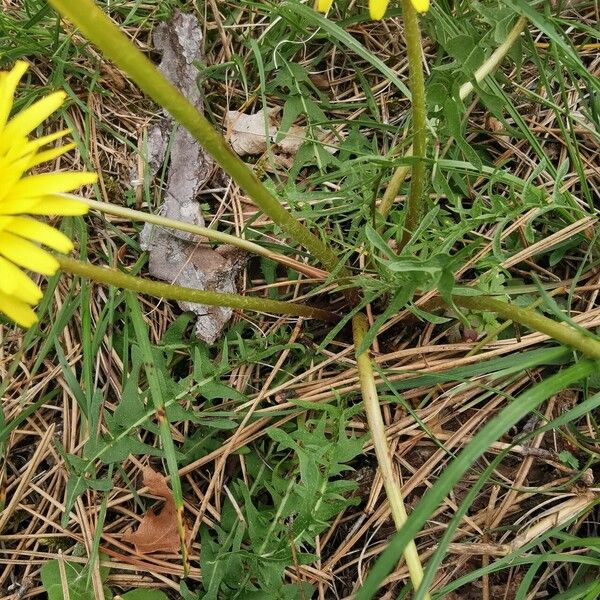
[{"x": 474, "y": 325}]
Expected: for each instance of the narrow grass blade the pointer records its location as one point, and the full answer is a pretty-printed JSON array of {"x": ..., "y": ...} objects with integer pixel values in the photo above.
[
  {"x": 513, "y": 413},
  {"x": 141, "y": 334},
  {"x": 336, "y": 32}
]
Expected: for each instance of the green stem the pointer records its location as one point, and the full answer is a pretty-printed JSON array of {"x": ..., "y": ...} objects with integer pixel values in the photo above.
[
  {"x": 393, "y": 187},
  {"x": 100, "y": 30},
  {"x": 561, "y": 332},
  {"x": 212, "y": 234},
  {"x": 487, "y": 68},
  {"x": 138, "y": 215},
  {"x": 360, "y": 326},
  {"x": 167, "y": 291},
  {"x": 416, "y": 79},
  {"x": 493, "y": 335},
  {"x": 495, "y": 58}
]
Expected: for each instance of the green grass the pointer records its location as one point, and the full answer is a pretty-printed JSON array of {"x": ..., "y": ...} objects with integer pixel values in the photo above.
[{"x": 289, "y": 515}]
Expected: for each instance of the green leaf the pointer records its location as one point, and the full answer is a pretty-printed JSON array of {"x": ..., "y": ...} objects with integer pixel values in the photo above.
[
  {"x": 212, "y": 568},
  {"x": 174, "y": 335},
  {"x": 77, "y": 582},
  {"x": 437, "y": 94},
  {"x": 144, "y": 594},
  {"x": 466, "y": 52},
  {"x": 453, "y": 117},
  {"x": 568, "y": 459},
  {"x": 293, "y": 107},
  {"x": 284, "y": 439},
  {"x": 426, "y": 316},
  {"x": 336, "y": 32},
  {"x": 432, "y": 266},
  {"x": 207, "y": 386},
  {"x": 111, "y": 450},
  {"x": 132, "y": 407}
]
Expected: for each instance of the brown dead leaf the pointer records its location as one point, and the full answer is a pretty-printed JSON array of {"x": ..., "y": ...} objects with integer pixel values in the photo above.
[
  {"x": 157, "y": 532},
  {"x": 320, "y": 80},
  {"x": 248, "y": 135},
  {"x": 496, "y": 127},
  {"x": 294, "y": 138}
]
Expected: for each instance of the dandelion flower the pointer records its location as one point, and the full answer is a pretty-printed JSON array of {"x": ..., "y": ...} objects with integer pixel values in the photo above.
[
  {"x": 23, "y": 196},
  {"x": 377, "y": 8}
]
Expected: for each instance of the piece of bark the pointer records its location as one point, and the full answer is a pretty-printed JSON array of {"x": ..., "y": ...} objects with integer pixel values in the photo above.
[
  {"x": 176, "y": 256},
  {"x": 180, "y": 43},
  {"x": 195, "y": 266}
]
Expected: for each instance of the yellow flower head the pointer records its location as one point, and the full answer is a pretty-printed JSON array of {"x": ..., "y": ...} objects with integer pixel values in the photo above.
[
  {"x": 377, "y": 8},
  {"x": 23, "y": 195}
]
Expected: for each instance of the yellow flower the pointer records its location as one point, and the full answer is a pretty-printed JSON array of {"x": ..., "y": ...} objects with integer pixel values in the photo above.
[
  {"x": 23, "y": 195},
  {"x": 377, "y": 8}
]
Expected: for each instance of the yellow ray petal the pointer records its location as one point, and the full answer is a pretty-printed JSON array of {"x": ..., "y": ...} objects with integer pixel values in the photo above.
[
  {"x": 46, "y": 155},
  {"x": 36, "y": 231},
  {"x": 18, "y": 207},
  {"x": 27, "y": 120},
  {"x": 18, "y": 149},
  {"x": 8, "y": 86},
  {"x": 13, "y": 282},
  {"x": 421, "y": 6},
  {"x": 27, "y": 255},
  {"x": 51, "y": 183},
  {"x": 39, "y": 142},
  {"x": 324, "y": 5},
  {"x": 43, "y": 205},
  {"x": 11, "y": 174},
  {"x": 377, "y": 8},
  {"x": 12, "y": 149},
  {"x": 59, "y": 206},
  {"x": 17, "y": 310}
]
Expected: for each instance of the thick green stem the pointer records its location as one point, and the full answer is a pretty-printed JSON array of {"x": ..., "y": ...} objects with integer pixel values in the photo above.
[
  {"x": 167, "y": 291},
  {"x": 99, "y": 29},
  {"x": 416, "y": 79},
  {"x": 360, "y": 325},
  {"x": 487, "y": 68},
  {"x": 561, "y": 332}
]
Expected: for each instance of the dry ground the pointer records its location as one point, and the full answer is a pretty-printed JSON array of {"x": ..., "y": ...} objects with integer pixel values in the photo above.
[{"x": 42, "y": 375}]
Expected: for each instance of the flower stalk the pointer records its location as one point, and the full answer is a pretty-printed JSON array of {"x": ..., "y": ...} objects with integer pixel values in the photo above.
[
  {"x": 109, "y": 276},
  {"x": 211, "y": 234},
  {"x": 561, "y": 332},
  {"x": 360, "y": 325},
  {"x": 416, "y": 79},
  {"x": 100, "y": 30},
  {"x": 486, "y": 69}
]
